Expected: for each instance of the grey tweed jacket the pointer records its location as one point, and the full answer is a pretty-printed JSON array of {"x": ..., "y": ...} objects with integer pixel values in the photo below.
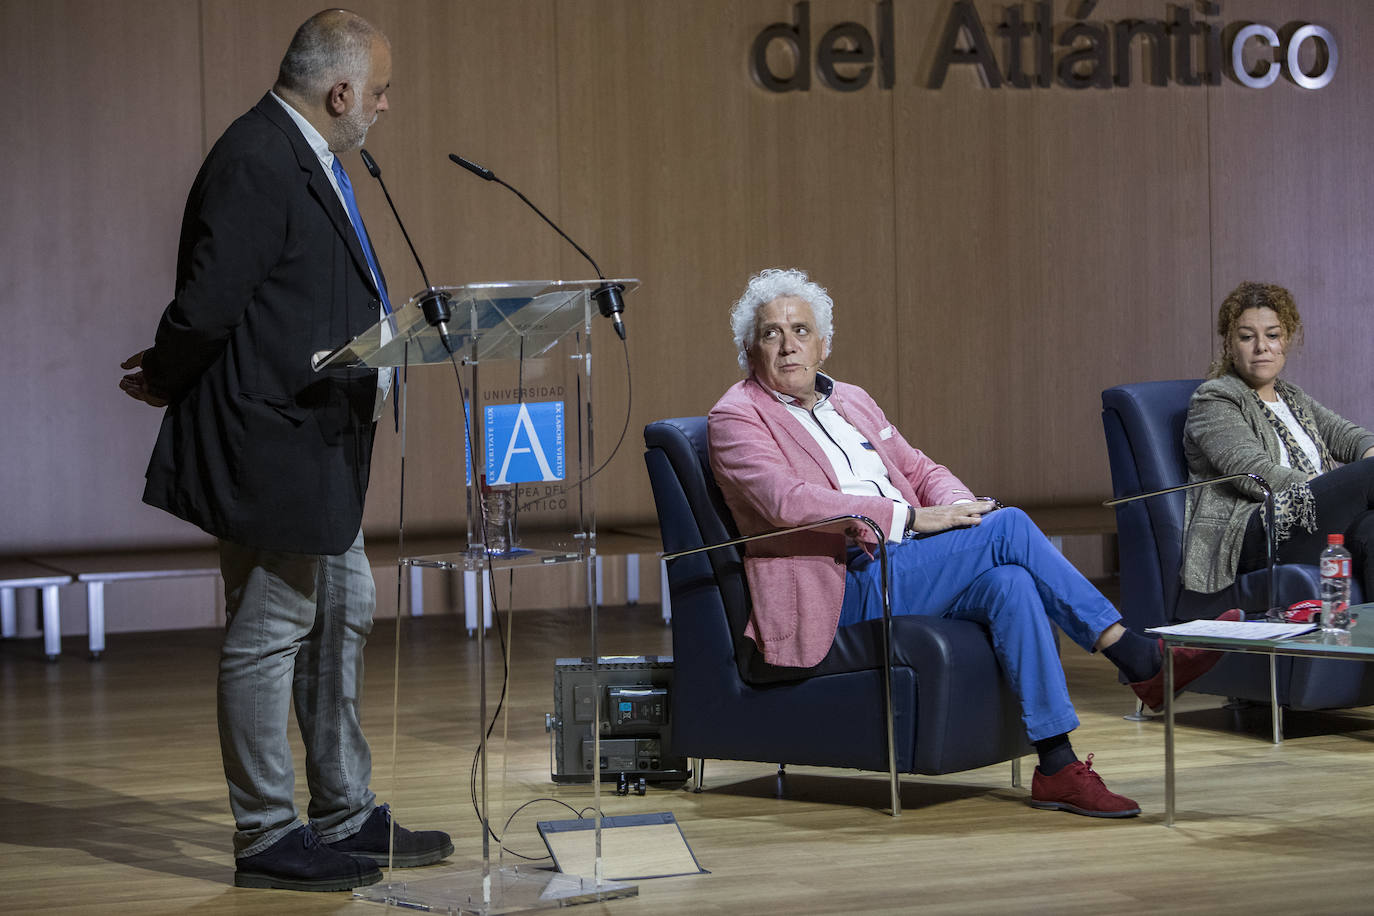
[{"x": 1227, "y": 432}]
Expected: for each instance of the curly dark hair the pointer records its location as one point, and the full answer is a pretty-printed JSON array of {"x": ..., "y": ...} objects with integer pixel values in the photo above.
[{"x": 1253, "y": 295}]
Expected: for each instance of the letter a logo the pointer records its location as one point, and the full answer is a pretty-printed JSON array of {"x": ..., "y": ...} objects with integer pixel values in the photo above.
[{"x": 524, "y": 442}]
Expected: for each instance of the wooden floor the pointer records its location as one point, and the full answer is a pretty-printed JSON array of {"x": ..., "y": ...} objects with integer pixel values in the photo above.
[{"x": 112, "y": 799}]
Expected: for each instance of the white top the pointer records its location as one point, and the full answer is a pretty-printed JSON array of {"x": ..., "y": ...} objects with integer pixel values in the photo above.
[
  {"x": 858, "y": 468},
  {"x": 1309, "y": 448}
]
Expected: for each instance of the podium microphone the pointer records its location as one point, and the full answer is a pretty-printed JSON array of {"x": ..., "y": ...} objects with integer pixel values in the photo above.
[
  {"x": 434, "y": 304},
  {"x": 607, "y": 296}
]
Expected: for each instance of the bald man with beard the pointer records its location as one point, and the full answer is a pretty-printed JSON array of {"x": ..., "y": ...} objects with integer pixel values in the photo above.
[{"x": 272, "y": 459}]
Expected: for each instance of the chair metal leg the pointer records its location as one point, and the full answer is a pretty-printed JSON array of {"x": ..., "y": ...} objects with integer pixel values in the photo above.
[
  {"x": 1275, "y": 710},
  {"x": 1139, "y": 714},
  {"x": 1016, "y": 772},
  {"x": 894, "y": 783},
  {"x": 698, "y": 773},
  {"x": 1168, "y": 738},
  {"x": 895, "y": 790}
]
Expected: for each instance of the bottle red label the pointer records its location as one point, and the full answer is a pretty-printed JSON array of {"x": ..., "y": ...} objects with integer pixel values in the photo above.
[{"x": 1336, "y": 567}]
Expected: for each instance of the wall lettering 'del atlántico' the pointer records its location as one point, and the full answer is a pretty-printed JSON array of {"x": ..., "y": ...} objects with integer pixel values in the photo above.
[{"x": 1026, "y": 48}]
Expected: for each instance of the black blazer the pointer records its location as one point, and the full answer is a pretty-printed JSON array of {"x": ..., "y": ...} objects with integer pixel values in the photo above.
[{"x": 256, "y": 447}]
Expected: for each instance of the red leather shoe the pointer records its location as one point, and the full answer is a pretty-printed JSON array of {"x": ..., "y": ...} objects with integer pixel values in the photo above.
[
  {"x": 1189, "y": 665},
  {"x": 1079, "y": 789}
]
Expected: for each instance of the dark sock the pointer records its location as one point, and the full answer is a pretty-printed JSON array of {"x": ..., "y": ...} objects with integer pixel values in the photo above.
[
  {"x": 1055, "y": 754},
  {"x": 1137, "y": 657}
]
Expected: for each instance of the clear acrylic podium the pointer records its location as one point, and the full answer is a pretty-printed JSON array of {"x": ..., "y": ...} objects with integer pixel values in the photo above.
[{"x": 522, "y": 354}]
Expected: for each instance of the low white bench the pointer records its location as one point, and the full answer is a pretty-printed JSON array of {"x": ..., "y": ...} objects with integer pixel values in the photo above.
[
  {"x": 633, "y": 542},
  {"x": 95, "y": 570},
  {"x": 630, "y": 543},
  {"x": 1059, "y": 522},
  {"x": 18, "y": 573}
]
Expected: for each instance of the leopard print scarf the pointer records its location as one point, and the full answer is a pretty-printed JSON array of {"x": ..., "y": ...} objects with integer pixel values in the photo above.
[{"x": 1294, "y": 504}]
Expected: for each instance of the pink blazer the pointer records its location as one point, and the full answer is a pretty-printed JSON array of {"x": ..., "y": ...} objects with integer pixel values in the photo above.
[{"x": 774, "y": 475}]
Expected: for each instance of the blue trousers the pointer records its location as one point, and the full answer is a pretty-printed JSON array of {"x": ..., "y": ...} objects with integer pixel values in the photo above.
[
  {"x": 1004, "y": 574},
  {"x": 296, "y": 628}
]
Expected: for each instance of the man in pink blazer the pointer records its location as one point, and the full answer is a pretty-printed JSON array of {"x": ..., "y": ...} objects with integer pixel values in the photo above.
[{"x": 791, "y": 446}]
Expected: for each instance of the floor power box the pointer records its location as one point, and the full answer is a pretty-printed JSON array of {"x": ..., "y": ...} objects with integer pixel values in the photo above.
[{"x": 635, "y": 699}]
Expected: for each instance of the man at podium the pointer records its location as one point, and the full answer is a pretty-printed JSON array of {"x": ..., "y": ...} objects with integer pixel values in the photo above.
[{"x": 272, "y": 459}]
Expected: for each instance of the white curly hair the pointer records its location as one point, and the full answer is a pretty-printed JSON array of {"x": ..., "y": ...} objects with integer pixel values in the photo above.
[{"x": 763, "y": 288}]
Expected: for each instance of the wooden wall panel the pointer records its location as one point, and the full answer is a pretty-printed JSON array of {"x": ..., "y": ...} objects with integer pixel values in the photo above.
[
  {"x": 997, "y": 256},
  {"x": 688, "y": 176},
  {"x": 242, "y": 45},
  {"x": 101, "y": 147},
  {"x": 475, "y": 79},
  {"x": 495, "y": 107},
  {"x": 1053, "y": 242},
  {"x": 1291, "y": 203}
]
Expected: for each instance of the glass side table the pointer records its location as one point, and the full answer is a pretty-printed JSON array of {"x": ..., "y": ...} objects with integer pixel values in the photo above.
[{"x": 1356, "y": 645}]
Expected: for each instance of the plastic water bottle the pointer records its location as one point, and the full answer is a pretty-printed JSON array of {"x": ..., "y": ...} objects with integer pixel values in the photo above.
[{"x": 1335, "y": 587}]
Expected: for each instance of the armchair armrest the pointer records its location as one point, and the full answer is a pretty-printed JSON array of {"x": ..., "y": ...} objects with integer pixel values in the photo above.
[
  {"x": 1268, "y": 509},
  {"x": 780, "y": 531},
  {"x": 762, "y": 535}
]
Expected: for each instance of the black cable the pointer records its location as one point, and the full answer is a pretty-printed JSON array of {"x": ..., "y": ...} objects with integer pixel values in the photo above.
[
  {"x": 496, "y": 623},
  {"x": 557, "y": 801},
  {"x": 495, "y": 605},
  {"x": 500, "y": 702},
  {"x": 471, "y": 468}
]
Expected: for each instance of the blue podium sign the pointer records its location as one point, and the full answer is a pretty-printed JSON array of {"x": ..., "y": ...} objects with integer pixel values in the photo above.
[{"x": 524, "y": 443}]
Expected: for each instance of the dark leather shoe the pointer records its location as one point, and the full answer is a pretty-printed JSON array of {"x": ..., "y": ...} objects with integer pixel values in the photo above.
[
  {"x": 413, "y": 847},
  {"x": 1189, "y": 665},
  {"x": 300, "y": 862}
]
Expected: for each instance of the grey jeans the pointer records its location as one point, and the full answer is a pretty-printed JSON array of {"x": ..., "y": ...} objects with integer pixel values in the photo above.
[{"x": 296, "y": 628}]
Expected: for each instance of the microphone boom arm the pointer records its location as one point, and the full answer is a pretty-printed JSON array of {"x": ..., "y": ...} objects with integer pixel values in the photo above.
[
  {"x": 608, "y": 296},
  {"x": 434, "y": 304}
]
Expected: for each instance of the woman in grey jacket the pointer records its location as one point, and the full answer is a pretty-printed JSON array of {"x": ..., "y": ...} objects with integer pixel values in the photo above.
[{"x": 1246, "y": 420}]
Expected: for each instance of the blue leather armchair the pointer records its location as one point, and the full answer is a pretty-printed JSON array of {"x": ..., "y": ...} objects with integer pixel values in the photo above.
[
  {"x": 1144, "y": 428},
  {"x": 952, "y": 709}
]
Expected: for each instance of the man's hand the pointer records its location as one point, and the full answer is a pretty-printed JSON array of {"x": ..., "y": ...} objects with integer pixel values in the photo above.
[
  {"x": 931, "y": 519},
  {"x": 135, "y": 385}
]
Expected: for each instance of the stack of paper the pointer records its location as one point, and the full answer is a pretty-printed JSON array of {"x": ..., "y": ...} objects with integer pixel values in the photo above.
[{"x": 1235, "y": 629}]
